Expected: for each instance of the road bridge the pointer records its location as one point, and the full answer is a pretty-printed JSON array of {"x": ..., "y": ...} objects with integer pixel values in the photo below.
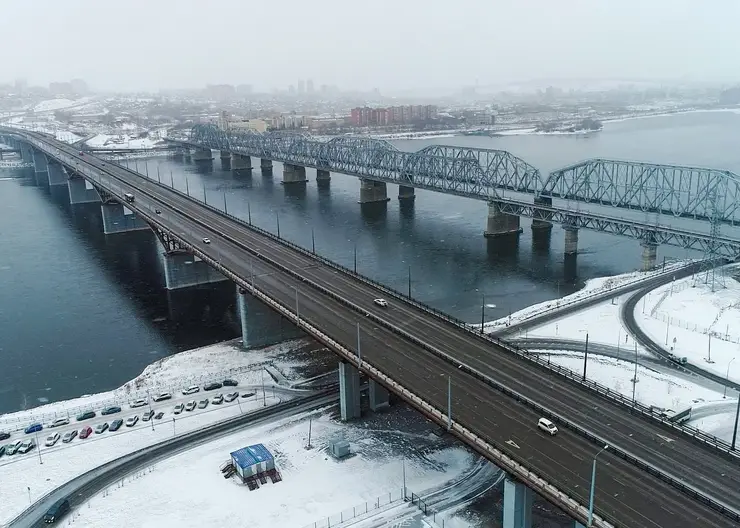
[
  {"x": 655, "y": 204},
  {"x": 486, "y": 392}
]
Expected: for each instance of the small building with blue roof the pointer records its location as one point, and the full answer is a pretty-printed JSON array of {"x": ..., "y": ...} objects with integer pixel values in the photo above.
[{"x": 252, "y": 460}]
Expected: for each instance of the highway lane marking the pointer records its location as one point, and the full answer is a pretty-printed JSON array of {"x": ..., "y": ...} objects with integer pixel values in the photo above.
[
  {"x": 667, "y": 439},
  {"x": 513, "y": 444}
]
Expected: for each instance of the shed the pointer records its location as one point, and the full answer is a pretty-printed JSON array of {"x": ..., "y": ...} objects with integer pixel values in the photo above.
[
  {"x": 252, "y": 460},
  {"x": 339, "y": 448}
]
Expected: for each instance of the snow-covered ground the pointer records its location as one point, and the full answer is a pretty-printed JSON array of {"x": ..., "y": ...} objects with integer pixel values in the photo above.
[
  {"x": 44, "y": 469},
  {"x": 54, "y": 104},
  {"x": 701, "y": 325},
  {"x": 120, "y": 142},
  {"x": 592, "y": 287},
  {"x": 188, "y": 489}
]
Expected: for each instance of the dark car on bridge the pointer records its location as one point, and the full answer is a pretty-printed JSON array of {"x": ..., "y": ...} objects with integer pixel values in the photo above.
[{"x": 111, "y": 410}]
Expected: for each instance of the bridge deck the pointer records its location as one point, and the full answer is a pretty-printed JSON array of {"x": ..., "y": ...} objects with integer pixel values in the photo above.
[{"x": 626, "y": 494}]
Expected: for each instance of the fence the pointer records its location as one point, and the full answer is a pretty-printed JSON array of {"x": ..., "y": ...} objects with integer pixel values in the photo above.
[
  {"x": 675, "y": 288},
  {"x": 688, "y": 325},
  {"x": 367, "y": 509}
]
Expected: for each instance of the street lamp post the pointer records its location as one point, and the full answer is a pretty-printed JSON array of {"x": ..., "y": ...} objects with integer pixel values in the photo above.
[
  {"x": 634, "y": 379},
  {"x": 482, "y": 312},
  {"x": 727, "y": 378},
  {"x": 449, "y": 403},
  {"x": 585, "y": 358},
  {"x": 409, "y": 282},
  {"x": 593, "y": 487},
  {"x": 277, "y": 218}
]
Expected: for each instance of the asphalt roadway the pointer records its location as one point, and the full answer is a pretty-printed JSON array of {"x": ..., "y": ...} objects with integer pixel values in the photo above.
[{"x": 626, "y": 495}]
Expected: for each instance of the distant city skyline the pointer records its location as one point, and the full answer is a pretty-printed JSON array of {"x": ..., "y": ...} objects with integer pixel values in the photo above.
[{"x": 422, "y": 48}]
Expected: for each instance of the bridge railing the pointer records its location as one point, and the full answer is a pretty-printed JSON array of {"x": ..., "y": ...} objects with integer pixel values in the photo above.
[{"x": 636, "y": 407}]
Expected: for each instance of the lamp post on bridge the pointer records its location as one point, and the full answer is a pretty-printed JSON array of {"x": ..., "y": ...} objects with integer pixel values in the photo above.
[
  {"x": 727, "y": 378},
  {"x": 593, "y": 487}
]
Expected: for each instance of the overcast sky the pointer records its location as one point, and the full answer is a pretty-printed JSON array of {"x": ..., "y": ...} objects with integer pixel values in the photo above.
[{"x": 389, "y": 44}]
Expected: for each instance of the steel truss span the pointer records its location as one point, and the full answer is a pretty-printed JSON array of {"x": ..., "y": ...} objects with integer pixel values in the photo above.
[
  {"x": 672, "y": 190},
  {"x": 476, "y": 173}
]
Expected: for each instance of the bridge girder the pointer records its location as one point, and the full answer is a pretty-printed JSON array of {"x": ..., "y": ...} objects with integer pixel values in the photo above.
[
  {"x": 672, "y": 190},
  {"x": 471, "y": 172}
]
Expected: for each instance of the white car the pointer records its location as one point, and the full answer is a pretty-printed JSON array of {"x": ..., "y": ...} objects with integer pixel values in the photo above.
[
  {"x": 191, "y": 405},
  {"x": 191, "y": 390},
  {"x": 381, "y": 302},
  {"x": 179, "y": 408},
  {"x": 206, "y": 240},
  {"x": 52, "y": 439},
  {"x": 218, "y": 399},
  {"x": 13, "y": 448},
  {"x": 547, "y": 426},
  {"x": 69, "y": 436},
  {"x": 139, "y": 403},
  {"x": 230, "y": 397},
  {"x": 26, "y": 446},
  {"x": 59, "y": 422},
  {"x": 147, "y": 416},
  {"x": 162, "y": 396},
  {"x": 132, "y": 421}
]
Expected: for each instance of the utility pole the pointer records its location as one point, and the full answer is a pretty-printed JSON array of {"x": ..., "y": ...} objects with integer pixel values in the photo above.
[
  {"x": 634, "y": 379},
  {"x": 313, "y": 242},
  {"x": 585, "y": 358},
  {"x": 449, "y": 403},
  {"x": 734, "y": 429},
  {"x": 359, "y": 349},
  {"x": 309, "y": 433},
  {"x": 409, "y": 282},
  {"x": 355, "y": 258},
  {"x": 249, "y": 213},
  {"x": 482, "y": 312},
  {"x": 277, "y": 217}
]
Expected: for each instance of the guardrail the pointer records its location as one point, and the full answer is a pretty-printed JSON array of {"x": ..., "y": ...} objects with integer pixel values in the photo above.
[
  {"x": 477, "y": 442},
  {"x": 643, "y": 410}
]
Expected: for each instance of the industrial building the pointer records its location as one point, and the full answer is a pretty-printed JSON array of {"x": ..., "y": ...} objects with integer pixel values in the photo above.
[{"x": 252, "y": 460}]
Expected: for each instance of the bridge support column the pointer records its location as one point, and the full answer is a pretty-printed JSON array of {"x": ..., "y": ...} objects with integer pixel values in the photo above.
[
  {"x": 80, "y": 190},
  {"x": 265, "y": 165},
  {"x": 517, "y": 505},
  {"x": 378, "y": 396},
  {"x": 203, "y": 155},
  {"x": 261, "y": 325},
  {"x": 649, "y": 255},
  {"x": 543, "y": 220},
  {"x": 225, "y": 154},
  {"x": 349, "y": 391},
  {"x": 118, "y": 218},
  {"x": 241, "y": 162},
  {"x": 323, "y": 176},
  {"x": 187, "y": 154},
  {"x": 40, "y": 166},
  {"x": 571, "y": 240},
  {"x": 372, "y": 191},
  {"x": 294, "y": 173},
  {"x": 406, "y": 193},
  {"x": 501, "y": 224},
  {"x": 27, "y": 152},
  {"x": 182, "y": 270},
  {"x": 57, "y": 174}
]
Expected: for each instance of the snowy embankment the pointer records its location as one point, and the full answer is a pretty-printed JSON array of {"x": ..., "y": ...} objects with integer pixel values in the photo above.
[
  {"x": 188, "y": 489},
  {"x": 28, "y": 477},
  {"x": 105, "y": 141},
  {"x": 592, "y": 288},
  {"x": 696, "y": 322}
]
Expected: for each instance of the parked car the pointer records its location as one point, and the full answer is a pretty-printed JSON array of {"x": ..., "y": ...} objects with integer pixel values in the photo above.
[
  {"x": 85, "y": 415},
  {"x": 191, "y": 405},
  {"x": 191, "y": 390},
  {"x": 218, "y": 399},
  {"x": 111, "y": 410},
  {"x": 158, "y": 416},
  {"x": 230, "y": 397},
  {"x": 59, "y": 422},
  {"x": 202, "y": 404},
  {"x": 230, "y": 382},
  {"x": 212, "y": 386},
  {"x": 26, "y": 446},
  {"x": 132, "y": 421},
  {"x": 115, "y": 425},
  {"x": 101, "y": 428},
  {"x": 85, "y": 432},
  {"x": 4, "y": 435},
  {"x": 147, "y": 416},
  {"x": 142, "y": 402},
  {"x": 12, "y": 449},
  {"x": 2, "y": 450},
  {"x": 33, "y": 428},
  {"x": 162, "y": 396},
  {"x": 52, "y": 439},
  {"x": 248, "y": 394},
  {"x": 69, "y": 436},
  {"x": 179, "y": 408}
]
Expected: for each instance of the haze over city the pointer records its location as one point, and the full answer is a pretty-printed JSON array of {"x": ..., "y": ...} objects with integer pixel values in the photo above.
[{"x": 406, "y": 46}]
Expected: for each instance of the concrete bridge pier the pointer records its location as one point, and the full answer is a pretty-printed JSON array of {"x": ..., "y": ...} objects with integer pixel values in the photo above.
[
  {"x": 178, "y": 153},
  {"x": 322, "y": 176},
  {"x": 81, "y": 191},
  {"x": 349, "y": 391},
  {"x": 40, "y": 166},
  {"x": 517, "y": 505},
  {"x": 265, "y": 165},
  {"x": 187, "y": 154},
  {"x": 294, "y": 173},
  {"x": 203, "y": 155},
  {"x": 224, "y": 154},
  {"x": 182, "y": 270},
  {"x": 261, "y": 325},
  {"x": 118, "y": 218},
  {"x": 649, "y": 251},
  {"x": 372, "y": 191},
  {"x": 501, "y": 224},
  {"x": 26, "y": 152},
  {"x": 57, "y": 174},
  {"x": 379, "y": 396},
  {"x": 240, "y": 162},
  {"x": 406, "y": 193},
  {"x": 571, "y": 240}
]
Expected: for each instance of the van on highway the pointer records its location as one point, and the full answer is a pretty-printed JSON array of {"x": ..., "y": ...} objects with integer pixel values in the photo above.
[
  {"x": 547, "y": 426},
  {"x": 57, "y": 511}
]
